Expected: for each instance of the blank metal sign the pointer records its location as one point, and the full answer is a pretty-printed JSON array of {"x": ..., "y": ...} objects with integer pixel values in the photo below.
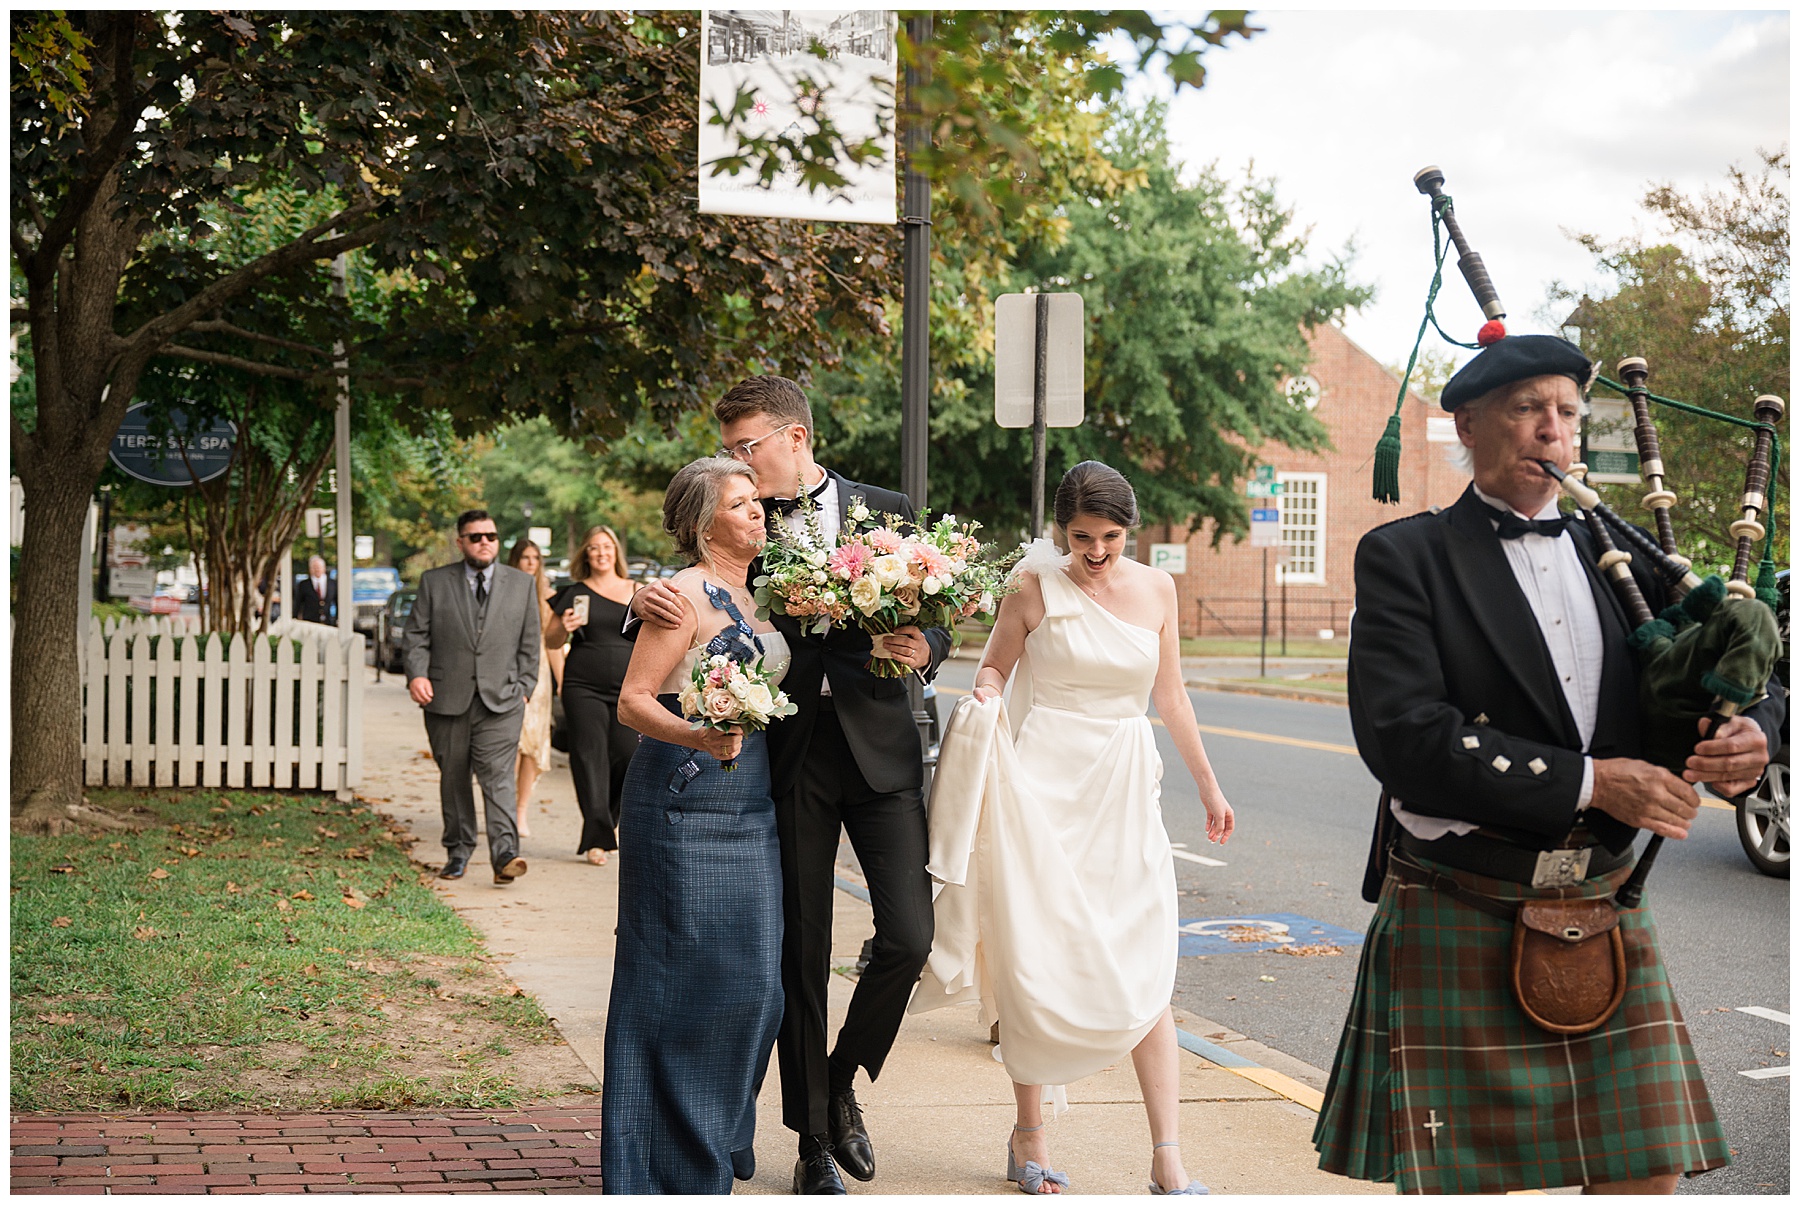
[{"x": 1015, "y": 359}]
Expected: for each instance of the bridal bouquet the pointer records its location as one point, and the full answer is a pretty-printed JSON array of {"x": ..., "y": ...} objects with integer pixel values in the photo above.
[
  {"x": 931, "y": 574},
  {"x": 725, "y": 693}
]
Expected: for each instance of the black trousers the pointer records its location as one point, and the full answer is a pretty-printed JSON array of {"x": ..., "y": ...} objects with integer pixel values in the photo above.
[
  {"x": 600, "y": 750},
  {"x": 887, "y": 830}
]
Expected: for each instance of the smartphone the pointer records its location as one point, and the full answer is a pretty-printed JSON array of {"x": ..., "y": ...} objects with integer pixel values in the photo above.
[{"x": 581, "y": 606}]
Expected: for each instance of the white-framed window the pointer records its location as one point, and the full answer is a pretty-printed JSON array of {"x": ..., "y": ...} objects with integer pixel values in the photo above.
[{"x": 1302, "y": 528}]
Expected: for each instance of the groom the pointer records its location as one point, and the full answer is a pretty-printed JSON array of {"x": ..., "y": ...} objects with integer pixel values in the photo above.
[{"x": 849, "y": 759}]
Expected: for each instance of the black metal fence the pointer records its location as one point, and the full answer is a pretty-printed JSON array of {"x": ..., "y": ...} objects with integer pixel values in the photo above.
[{"x": 1289, "y": 612}]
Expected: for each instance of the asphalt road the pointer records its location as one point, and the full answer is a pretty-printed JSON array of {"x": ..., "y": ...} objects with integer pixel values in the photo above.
[{"x": 1305, "y": 806}]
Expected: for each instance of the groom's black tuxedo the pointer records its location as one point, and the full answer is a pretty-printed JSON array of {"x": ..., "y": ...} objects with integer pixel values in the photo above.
[{"x": 847, "y": 763}]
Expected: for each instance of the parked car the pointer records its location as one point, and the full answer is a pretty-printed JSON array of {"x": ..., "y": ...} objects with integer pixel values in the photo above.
[
  {"x": 1762, "y": 815},
  {"x": 370, "y": 589},
  {"x": 390, "y": 632}
]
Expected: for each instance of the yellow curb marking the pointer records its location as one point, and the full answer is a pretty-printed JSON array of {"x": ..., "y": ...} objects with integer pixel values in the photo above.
[{"x": 1282, "y": 1085}]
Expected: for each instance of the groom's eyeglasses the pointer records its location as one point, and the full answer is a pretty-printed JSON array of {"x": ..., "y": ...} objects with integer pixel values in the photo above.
[
  {"x": 480, "y": 537},
  {"x": 742, "y": 450}
]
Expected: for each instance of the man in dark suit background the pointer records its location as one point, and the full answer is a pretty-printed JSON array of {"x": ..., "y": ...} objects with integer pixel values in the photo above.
[
  {"x": 849, "y": 760},
  {"x": 315, "y": 595},
  {"x": 1493, "y": 693},
  {"x": 471, "y": 663}
]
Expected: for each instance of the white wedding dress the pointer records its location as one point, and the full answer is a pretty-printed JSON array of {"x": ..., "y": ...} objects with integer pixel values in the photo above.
[{"x": 1057, "y": 904}]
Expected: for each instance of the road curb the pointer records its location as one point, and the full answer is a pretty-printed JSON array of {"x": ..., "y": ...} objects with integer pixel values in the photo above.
[{"x": 1308, "y": 694}]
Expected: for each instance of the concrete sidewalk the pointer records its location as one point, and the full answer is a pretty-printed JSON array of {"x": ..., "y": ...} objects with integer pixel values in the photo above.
[{"x": 940, "y": 1113}]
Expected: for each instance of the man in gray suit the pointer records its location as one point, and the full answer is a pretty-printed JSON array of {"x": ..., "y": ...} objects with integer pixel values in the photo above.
[{"x": 471, "y": 663}]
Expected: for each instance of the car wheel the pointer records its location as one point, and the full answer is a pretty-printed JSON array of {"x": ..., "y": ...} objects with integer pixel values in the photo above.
[{"x": 1762, "y": 817}]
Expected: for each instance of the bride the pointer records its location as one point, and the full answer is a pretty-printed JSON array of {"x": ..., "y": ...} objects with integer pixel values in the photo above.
[{"x": 1046, "y": 829}]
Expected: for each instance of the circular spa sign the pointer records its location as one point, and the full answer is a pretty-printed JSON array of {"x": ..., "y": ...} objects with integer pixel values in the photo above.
[{"x": 177, "y": 449}]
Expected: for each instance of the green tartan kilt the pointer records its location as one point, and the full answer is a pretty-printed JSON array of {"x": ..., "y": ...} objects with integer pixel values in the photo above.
[{"x": 1442, "y": 1086}]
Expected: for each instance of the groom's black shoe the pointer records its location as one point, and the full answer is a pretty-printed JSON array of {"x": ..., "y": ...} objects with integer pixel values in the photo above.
[
  {"x": 815, "y": 1174},
  {"x": 849, "y": 1138}
]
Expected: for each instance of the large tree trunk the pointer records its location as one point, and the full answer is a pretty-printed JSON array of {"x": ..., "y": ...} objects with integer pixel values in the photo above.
[{"x": 47, "y": 633}]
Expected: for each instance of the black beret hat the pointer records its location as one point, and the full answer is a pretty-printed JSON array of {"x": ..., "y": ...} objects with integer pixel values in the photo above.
[{"x": 1516, "y": 358}]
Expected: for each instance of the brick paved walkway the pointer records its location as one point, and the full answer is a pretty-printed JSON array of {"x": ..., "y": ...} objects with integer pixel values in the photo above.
[{"x": 452, "y": 1150}]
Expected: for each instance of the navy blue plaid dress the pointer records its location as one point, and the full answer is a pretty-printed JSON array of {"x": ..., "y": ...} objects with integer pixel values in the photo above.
[{"x": 696, "y": 990}]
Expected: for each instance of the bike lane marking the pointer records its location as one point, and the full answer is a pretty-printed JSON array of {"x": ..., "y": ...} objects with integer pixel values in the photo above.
[{"x": 1768, "y": 1014}]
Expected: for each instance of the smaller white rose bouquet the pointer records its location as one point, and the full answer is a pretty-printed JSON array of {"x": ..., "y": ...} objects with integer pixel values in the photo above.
[{"x": 724, "y": 693}]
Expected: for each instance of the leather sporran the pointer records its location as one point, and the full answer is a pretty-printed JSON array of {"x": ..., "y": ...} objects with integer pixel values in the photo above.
[{"x": 1568, "y": 963}]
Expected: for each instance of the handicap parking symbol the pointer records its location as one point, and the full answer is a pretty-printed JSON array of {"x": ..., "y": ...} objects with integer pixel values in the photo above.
[{"x": 1255, "y": 934}]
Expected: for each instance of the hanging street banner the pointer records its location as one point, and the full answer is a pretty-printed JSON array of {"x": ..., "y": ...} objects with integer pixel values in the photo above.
[
  {"x": 177, "y": 451},
  {"x": 1612, "y": 454},
  {"x": 789, "y": 62}
]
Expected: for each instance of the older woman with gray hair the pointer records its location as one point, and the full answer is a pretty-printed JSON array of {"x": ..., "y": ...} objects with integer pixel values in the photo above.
[{"x": 696, "y": 991}]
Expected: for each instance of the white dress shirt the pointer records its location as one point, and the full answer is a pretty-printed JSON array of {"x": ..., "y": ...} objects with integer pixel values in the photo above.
[
  {"x": 826, "y": 500},
  {"x": 1555, "y": 583}
]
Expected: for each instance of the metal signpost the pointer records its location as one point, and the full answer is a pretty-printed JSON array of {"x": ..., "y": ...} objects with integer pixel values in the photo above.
[
  {"x": 1038, "y": 373},
  {"x": 1265, "y": 533}
]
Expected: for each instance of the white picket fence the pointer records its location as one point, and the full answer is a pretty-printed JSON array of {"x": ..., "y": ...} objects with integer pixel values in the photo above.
[{"x": 165, "y": 706}]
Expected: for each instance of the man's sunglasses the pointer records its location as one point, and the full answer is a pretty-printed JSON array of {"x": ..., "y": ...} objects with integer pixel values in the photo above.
[{"x": 481, "y": 537}]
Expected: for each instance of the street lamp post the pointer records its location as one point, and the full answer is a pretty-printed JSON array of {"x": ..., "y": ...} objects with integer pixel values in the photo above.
[{"x": 915, "y": 348}]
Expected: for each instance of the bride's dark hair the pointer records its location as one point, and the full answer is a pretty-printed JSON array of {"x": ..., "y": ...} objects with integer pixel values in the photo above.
[{"x": 1092, "y": 488}]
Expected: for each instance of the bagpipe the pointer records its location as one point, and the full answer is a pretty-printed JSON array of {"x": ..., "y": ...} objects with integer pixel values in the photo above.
[{"x": 1710, "y": 653}]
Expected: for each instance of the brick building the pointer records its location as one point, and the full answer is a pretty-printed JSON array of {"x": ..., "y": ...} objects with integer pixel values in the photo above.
[{"x": 1326, "y": 507}]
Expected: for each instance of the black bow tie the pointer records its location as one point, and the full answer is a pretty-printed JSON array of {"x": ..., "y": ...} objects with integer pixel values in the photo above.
[
  {"x": 787, "y": 506},
  {"x": 1512, "y": 527}
]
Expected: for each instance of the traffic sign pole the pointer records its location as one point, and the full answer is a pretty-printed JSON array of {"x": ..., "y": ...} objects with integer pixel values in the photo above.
[
  {"x": 1263, "y": 657},
  {"x": 1040, "y": 372}
]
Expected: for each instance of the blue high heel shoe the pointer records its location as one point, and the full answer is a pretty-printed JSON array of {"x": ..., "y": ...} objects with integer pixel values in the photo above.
[
  {"x": 1031, "y": 1178},
  {"x": 1194, "y": 1187}
]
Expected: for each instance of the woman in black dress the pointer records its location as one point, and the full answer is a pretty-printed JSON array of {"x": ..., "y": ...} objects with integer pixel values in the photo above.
[{"x": 589, "y": 614}]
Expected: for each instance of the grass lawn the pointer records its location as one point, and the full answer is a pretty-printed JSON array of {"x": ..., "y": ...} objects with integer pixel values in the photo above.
[
  {"x": 1222, "y": 646},
  {"x": 1335, "y": 682},
  {"x": 261, "y": 951}
]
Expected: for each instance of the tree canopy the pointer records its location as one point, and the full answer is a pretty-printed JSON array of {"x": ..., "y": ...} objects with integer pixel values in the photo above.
[
  {"x": 1708, "y": 309},
  {"x": 1196, "y": 302}
]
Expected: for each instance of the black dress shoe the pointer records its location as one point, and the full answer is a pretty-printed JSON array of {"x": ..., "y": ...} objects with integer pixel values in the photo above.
[
  {"x": 508, "y": 868},
  {"x": 453, "y": 869},
  {"x": 743, "y": 1164},
  {"x": 815, "y": 1175},
  {"x": 850, "y": 1144}
]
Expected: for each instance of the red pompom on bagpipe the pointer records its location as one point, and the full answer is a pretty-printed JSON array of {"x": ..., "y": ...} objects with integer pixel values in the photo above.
[{"x": 1491, "y": 333}]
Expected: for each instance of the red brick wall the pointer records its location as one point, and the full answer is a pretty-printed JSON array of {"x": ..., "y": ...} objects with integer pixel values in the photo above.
[{"x": 1223, "y": 588}]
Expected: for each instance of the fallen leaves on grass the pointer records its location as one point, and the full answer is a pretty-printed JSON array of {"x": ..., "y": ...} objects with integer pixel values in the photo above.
[
  {"x": 302, "y": 894},
  {"x": 351, "y": 901},
  {"x": 57, "y": 1018},
  {"x": 159, "y": 873},
  {"x": 143, "y": 932},
  {"x": 61, "y": 922},
  {"x": 63, "y": 868}
]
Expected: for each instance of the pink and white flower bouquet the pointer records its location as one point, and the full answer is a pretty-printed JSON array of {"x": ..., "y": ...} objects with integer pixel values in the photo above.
[
  {"x": 724, "y": 693},
  {"x": 930, "y": 573}
]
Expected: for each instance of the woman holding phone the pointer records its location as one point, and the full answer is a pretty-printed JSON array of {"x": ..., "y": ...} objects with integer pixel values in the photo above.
[{"x": 588, "y": 615}]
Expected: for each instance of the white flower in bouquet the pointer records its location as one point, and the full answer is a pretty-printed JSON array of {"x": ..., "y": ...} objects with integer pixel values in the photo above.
[
  {"x": 819, "y": 578},
  {"x": 865, "y": 595},
  {"x": 932, "y": 585},
  {"x": 858, "y": 511},
  {"x": 758, "y": 701},
  {"x": 690, "y": 700},
  {"x": 722, "y": 705},
  {"x": 816, "y": 559},
  {"x": 987, "y": 602},
  {"x": 889, "y": 570}
]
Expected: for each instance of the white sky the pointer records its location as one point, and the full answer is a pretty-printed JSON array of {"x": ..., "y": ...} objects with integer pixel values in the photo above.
[{"x": 1542, "y": 123}]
